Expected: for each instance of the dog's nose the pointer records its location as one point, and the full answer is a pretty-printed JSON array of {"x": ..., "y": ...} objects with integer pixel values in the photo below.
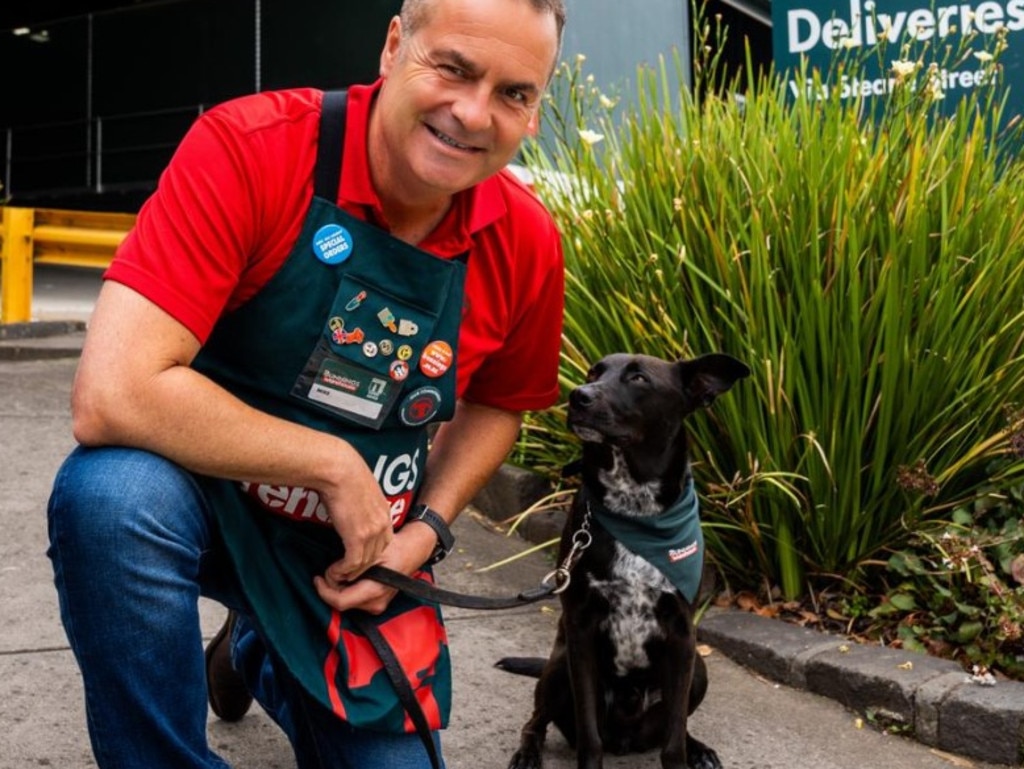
[{"x": 581, "y": 397}]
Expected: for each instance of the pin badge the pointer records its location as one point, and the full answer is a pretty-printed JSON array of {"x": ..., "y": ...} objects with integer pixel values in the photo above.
[
  {"x": 404, "y": 352},
  {"x": 387, "y": 319},
  {"x": 420, "y": 406},
  {"x": 355, "y": 336},
  {"x": 436, "y": 359},
  {"x": 332, "y": 244},
  {"x": 370, "y": 349},
  {"x": 386, "y": 347},
  {"x": 407, "y": 328},
  {"x": 337, "y": 326},
  {"x": 355, "y": 301},
  {"x": 399, "y": 370}
]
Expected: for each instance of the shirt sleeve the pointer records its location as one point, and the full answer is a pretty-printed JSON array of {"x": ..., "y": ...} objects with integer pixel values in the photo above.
[
  {"x": 219, "y": 222},
  {"x": 522, "y": 373}
]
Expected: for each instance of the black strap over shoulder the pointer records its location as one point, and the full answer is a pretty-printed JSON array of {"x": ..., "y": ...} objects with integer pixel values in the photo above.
[{"x": 330, "y": 145}]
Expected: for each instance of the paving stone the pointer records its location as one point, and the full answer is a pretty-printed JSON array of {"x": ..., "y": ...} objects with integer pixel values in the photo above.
[
  {"x": 986, "y": 722},
  {"x": 928, "y": 701},
  {"x": 769, "y": 646},
  {"x": 872, "y": 679}
]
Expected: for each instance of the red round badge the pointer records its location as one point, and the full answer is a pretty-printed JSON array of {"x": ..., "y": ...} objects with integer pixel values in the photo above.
[
  {"x": 420, "y": 406},
  {"x": 436, "y": 359},
  {"x": 399, "y": 370}
]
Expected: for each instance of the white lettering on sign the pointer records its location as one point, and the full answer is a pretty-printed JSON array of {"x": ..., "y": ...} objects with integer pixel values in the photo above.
[{"x": 867, "y": 23}]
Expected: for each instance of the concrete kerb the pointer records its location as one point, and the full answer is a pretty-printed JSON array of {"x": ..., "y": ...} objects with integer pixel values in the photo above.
[
  {"x": 930, "y": 699},
  {"x": 41, "y": 340}
]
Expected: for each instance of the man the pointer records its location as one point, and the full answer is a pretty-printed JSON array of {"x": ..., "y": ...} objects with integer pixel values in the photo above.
[{"x": 265, "y": 356}]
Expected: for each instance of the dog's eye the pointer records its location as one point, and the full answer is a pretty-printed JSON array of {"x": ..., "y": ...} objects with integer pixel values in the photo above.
[{"x": 637, "y": 378}]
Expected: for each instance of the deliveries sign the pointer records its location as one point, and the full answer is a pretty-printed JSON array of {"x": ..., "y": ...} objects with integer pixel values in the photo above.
[{"x": 819, "y": 29}]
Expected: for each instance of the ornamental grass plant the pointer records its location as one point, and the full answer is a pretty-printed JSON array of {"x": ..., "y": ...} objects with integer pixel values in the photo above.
[{"x": 864, "y": 258}]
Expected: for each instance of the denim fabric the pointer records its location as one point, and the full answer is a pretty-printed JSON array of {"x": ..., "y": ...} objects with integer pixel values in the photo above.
[{"x": 133, "y": 547}]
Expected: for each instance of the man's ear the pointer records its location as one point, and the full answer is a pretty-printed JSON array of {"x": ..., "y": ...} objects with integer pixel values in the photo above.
[
  {"x": 708, "y": 376},
  {"x": 392, "y": 43}
]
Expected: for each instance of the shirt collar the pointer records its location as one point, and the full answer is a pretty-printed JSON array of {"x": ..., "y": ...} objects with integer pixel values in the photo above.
[{"x": 472, "y": 210}]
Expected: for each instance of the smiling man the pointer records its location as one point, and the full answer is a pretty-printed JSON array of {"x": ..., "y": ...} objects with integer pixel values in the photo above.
[{"x": 317, "y": 279}]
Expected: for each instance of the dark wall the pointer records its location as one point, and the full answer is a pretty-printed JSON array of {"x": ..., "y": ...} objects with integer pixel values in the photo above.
[{"x": 92, "y": 123}]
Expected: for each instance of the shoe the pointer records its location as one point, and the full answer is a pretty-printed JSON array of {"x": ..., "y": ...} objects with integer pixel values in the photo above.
[{"x": 225, "y": 688}]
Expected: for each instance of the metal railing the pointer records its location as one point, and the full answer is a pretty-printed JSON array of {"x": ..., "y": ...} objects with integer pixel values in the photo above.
[
  {"x": 49, "y": 236},
  {"x": 95, "y": 155}
]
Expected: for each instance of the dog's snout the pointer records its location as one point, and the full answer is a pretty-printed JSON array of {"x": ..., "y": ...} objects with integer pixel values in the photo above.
[{"x": 581, "y": 397}]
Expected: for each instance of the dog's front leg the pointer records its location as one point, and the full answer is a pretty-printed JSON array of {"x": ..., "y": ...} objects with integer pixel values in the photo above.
[
  {"x": 681, "y": 650},
  {"x": 587, "y": 693}
]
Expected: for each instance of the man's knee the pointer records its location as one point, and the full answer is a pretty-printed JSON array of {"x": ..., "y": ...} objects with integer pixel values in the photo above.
[{"x": 104, "y": 493}]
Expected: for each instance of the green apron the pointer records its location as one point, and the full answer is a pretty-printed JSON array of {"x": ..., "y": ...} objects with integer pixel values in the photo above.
[{"x": 355, "y": 336}]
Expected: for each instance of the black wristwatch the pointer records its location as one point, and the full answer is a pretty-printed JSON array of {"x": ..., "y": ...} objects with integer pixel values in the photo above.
[{"x": 445, "y": 540}]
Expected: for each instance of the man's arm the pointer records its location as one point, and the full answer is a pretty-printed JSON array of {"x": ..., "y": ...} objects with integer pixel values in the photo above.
[
  {"x": 465, "y": 453},
  {"x": 135, "y": 387}
]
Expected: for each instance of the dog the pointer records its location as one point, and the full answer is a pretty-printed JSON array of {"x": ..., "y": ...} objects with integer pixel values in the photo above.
[{"x": 624, "y": 673}]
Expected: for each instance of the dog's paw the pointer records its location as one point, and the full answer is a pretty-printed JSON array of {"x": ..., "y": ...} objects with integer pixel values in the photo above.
[
  {"x": 525, "y": 758},
  {"x": 700, "y": 756}
]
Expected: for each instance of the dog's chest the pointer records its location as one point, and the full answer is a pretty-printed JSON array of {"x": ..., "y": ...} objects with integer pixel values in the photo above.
[{"x": 632, "y": 590}]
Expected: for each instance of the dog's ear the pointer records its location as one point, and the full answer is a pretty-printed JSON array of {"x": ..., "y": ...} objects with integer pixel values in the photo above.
[{"x": 708, "y": 376}]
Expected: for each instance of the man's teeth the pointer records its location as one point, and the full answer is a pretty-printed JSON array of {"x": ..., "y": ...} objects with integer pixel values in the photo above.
[{"x": 450, "y": 141}]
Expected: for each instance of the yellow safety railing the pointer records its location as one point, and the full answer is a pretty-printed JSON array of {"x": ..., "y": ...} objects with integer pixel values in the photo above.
[{"x": 50, "y": 236}]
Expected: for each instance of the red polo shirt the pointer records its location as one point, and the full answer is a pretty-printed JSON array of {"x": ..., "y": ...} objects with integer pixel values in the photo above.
[{"x": 230, "y": 205}]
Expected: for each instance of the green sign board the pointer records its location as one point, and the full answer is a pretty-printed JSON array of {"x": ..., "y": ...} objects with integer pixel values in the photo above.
[{"x": 817, "y": 31}]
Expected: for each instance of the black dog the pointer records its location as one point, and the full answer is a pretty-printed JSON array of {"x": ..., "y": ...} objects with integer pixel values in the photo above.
[{"x": 624, "y": 673}]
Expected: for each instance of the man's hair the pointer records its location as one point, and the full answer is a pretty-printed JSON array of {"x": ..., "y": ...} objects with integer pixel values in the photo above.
[{"x": 414, "y": 13}]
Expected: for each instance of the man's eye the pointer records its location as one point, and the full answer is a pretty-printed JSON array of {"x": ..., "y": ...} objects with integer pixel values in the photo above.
[
  {"x": 451, "y": 70},
  {"x": 514, "y": 94}
]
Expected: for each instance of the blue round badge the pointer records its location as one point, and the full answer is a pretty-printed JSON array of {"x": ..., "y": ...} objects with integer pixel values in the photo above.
[
  {"x": 420, "y": 406},
  {"x": 332, "y": 244}
]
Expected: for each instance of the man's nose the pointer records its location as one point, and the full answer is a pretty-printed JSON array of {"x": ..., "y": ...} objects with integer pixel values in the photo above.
[{"x": 473, "y": 109}]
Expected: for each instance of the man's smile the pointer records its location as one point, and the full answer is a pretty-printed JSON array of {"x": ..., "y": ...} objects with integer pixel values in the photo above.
[{"x": 446, "y": 139}]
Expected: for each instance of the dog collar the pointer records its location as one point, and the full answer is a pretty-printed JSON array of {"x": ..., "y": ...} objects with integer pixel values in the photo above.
[{"x": 671, "y": 541}]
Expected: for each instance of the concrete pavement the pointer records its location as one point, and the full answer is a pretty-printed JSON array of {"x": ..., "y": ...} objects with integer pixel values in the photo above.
[{"x": 753, "y": 722}]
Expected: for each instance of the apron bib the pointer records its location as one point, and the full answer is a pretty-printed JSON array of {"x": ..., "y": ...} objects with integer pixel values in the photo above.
[{"x": 355, "y": 335}]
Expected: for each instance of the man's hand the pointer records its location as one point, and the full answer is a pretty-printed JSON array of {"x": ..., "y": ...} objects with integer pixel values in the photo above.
[
  {"x": 409, "y": 550},
  {"x": 465, "y": 452},
  {"x": 362, "y": 518}
]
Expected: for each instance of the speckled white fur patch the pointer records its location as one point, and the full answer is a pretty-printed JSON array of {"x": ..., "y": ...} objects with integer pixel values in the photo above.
[
  {"x": 631, "y": 592},
  {"x": 623, "y": 495},
  {"x": 635, "y": 585}
]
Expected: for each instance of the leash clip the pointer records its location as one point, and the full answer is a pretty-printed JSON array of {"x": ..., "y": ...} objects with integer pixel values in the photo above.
[
  {"x": 562, "y": 579},
  {"x": 581, "y": 540}
]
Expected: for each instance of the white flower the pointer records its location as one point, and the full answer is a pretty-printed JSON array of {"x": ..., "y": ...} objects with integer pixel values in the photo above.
[
  {"x": 606, "y": 102},
  {"x": 984, "y": 56},
  {"x": 590, "y": 137},
  {"x": 902, "y": 69}
]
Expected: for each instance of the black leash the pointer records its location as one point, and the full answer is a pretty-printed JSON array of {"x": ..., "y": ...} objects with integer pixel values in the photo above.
[
  {"x": 427, "y": 592},
  {"x": 393, "y": 669},
  {"x": 553, "y": 584}
]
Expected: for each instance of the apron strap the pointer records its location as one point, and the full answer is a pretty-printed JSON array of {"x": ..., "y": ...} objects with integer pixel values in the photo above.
[{"x": 330, "y": 145}]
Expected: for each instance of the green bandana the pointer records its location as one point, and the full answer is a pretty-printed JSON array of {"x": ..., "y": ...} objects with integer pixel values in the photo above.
[{"x": 671, "y": 541}]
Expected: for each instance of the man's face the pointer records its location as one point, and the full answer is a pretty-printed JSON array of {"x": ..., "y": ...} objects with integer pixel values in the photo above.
[{"x": 459, "y": 94}]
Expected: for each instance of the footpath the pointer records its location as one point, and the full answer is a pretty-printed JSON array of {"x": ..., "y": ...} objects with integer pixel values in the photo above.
[{"x": 780, "y": 697}]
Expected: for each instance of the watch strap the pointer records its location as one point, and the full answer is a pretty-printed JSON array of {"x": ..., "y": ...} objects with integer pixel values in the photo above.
[{"x": 445, "y": 539}]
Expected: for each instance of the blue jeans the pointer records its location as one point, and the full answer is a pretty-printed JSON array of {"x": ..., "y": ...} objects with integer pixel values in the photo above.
[{"x": 133, "y": 547}]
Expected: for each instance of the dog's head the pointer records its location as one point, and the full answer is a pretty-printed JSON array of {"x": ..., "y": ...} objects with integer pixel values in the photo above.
[{"x": 630, "y": 399}]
